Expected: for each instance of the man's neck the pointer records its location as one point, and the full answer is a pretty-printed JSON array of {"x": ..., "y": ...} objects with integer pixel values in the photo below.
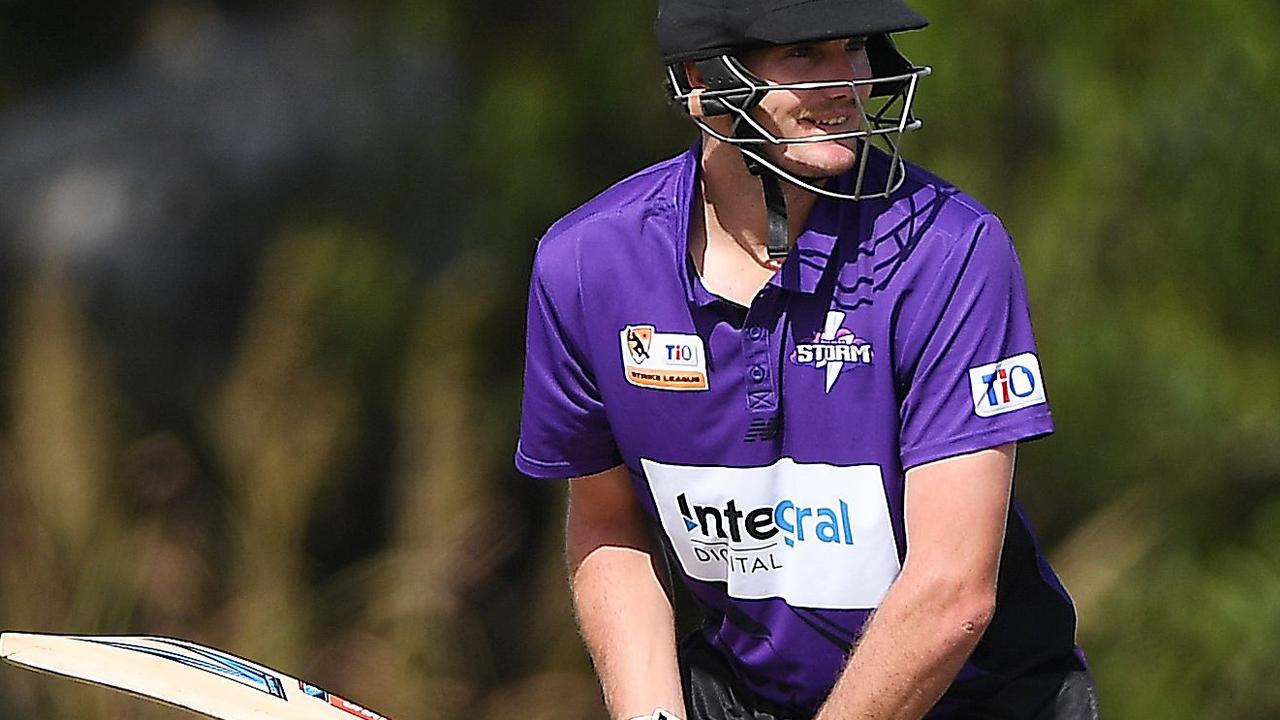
[
  {"x": 729, "y": 232},
  {"x": 737, "y": 199}
]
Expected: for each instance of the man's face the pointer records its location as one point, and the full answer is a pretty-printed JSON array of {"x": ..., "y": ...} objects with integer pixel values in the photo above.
[{"x": 807, "y": 113}]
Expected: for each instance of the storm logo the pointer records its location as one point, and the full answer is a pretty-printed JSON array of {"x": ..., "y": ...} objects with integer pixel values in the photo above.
[{"x": 834, "y": 349}]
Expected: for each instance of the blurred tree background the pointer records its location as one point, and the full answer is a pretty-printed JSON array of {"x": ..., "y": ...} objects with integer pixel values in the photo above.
[{"x": 262, "y": 275}]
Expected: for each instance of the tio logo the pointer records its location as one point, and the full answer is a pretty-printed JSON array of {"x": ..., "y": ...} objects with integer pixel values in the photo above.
[
  {"x": 1010, "y": 384},
  {"x": 682, "y": 354},
  {"x": 1001, "y": 389}
]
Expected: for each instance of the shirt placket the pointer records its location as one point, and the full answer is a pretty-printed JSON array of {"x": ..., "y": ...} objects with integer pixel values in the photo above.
[{"x": 759, "y": 336}]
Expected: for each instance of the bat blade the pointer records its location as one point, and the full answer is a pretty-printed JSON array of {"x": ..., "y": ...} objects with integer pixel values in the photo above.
[{"x": 183, "y": 674}]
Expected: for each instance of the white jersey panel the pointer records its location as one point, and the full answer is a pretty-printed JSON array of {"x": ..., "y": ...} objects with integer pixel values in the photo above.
[{"x": 815, "y": 535}]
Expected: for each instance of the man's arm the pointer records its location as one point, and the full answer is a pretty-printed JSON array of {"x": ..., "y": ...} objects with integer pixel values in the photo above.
[
  {"x": 936, "y": 611},
  {"x": 622, "y": 605}
]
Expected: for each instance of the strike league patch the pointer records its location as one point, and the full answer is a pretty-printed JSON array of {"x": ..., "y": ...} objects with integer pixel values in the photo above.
[{"x": 663, "y": 361}]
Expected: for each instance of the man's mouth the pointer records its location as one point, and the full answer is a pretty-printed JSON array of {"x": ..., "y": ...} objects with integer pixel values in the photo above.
[{"x": 826, "y": 122}]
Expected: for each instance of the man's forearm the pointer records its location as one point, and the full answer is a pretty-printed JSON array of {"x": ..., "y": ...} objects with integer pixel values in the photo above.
[
  {"x": 936, "y": 611},
  {"x": 911, "y": 652},
  {"x": 626, "y": 619}
]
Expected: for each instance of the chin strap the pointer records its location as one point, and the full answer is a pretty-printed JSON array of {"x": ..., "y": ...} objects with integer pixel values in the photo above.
[{"x": 775, "y": 207}]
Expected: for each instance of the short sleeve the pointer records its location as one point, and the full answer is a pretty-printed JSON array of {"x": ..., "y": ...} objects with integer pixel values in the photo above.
[
  {"x": 967, "y": 366},
  {"x": 564, "y": 432}
]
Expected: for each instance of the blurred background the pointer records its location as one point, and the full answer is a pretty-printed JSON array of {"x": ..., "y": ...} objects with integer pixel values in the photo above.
[{"x": 262, "y": 281}]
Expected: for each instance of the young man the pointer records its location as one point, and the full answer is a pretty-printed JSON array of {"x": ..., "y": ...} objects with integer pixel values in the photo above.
[{"x": 792, "y": 369}]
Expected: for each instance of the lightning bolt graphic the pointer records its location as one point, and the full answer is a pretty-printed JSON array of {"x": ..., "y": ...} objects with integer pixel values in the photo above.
[{"x": 834, "y": 319}]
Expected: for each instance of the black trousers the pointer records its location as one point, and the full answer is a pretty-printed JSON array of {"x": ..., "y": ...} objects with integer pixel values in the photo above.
[{"x": 713, "y": 693}]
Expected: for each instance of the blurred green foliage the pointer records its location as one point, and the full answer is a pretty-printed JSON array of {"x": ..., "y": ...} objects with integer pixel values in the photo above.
[{"x": 337, "y": 498}]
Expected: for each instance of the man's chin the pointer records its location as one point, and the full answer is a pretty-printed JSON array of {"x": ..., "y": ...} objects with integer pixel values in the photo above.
[
  {"x": 822, "y": 161},
  {"x": 823, "y": 171}
]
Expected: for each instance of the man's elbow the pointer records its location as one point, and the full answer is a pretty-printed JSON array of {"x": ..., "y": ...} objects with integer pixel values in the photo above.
[
  {"x": 962, "y": 607},
  {"x": 967, "y": 611},
  {"x": 972, "y": 611}
]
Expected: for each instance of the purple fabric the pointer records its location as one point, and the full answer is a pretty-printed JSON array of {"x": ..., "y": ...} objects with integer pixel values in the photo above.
[{"x": 900, "y": 333}]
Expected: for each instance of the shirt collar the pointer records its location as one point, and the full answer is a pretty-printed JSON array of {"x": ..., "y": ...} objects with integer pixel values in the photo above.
[{"x": 686, "y": 191}]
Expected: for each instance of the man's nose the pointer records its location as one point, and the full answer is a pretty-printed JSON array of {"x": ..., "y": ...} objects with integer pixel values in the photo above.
[{"x": 844, "y": 67}]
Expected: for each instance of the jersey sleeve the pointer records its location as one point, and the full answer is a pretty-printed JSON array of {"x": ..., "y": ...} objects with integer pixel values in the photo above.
[
  {"x": 564, "y": 431},
  {"x": 968, "y": 369}
]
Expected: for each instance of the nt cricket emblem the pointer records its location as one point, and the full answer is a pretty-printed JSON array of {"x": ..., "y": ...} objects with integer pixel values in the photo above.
[{"x": 663, "y": 361}]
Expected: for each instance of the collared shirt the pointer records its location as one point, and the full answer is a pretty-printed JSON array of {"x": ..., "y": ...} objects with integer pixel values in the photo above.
[{"x": 770, "y": 443}]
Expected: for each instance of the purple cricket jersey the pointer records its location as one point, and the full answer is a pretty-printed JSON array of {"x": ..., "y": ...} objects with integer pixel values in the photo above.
[{"x": 770, "y": 443}]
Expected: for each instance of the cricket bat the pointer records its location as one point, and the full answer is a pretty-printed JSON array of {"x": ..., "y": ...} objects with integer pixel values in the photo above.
[{"x": 183, "y": 674}]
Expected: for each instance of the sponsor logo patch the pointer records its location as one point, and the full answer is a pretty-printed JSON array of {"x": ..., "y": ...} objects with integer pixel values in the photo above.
[
  {"x": 781, "y": 531},
  {"x": 663, "y": 361},
  {"x": 834, "y": 350},
  {"x": 1010, "y": 384}
]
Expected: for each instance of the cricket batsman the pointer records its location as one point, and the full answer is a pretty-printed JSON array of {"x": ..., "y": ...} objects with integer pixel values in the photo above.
[{"x": 789, "y": 370}]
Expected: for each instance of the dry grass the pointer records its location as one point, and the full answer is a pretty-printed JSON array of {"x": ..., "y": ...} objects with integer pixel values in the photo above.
[{"x": 108, "y": 531}]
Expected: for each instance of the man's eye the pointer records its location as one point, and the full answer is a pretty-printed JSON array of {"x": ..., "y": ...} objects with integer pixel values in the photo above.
[
  {"x": 856, "y": 45},
  {"x": 800, "y": 51}
]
